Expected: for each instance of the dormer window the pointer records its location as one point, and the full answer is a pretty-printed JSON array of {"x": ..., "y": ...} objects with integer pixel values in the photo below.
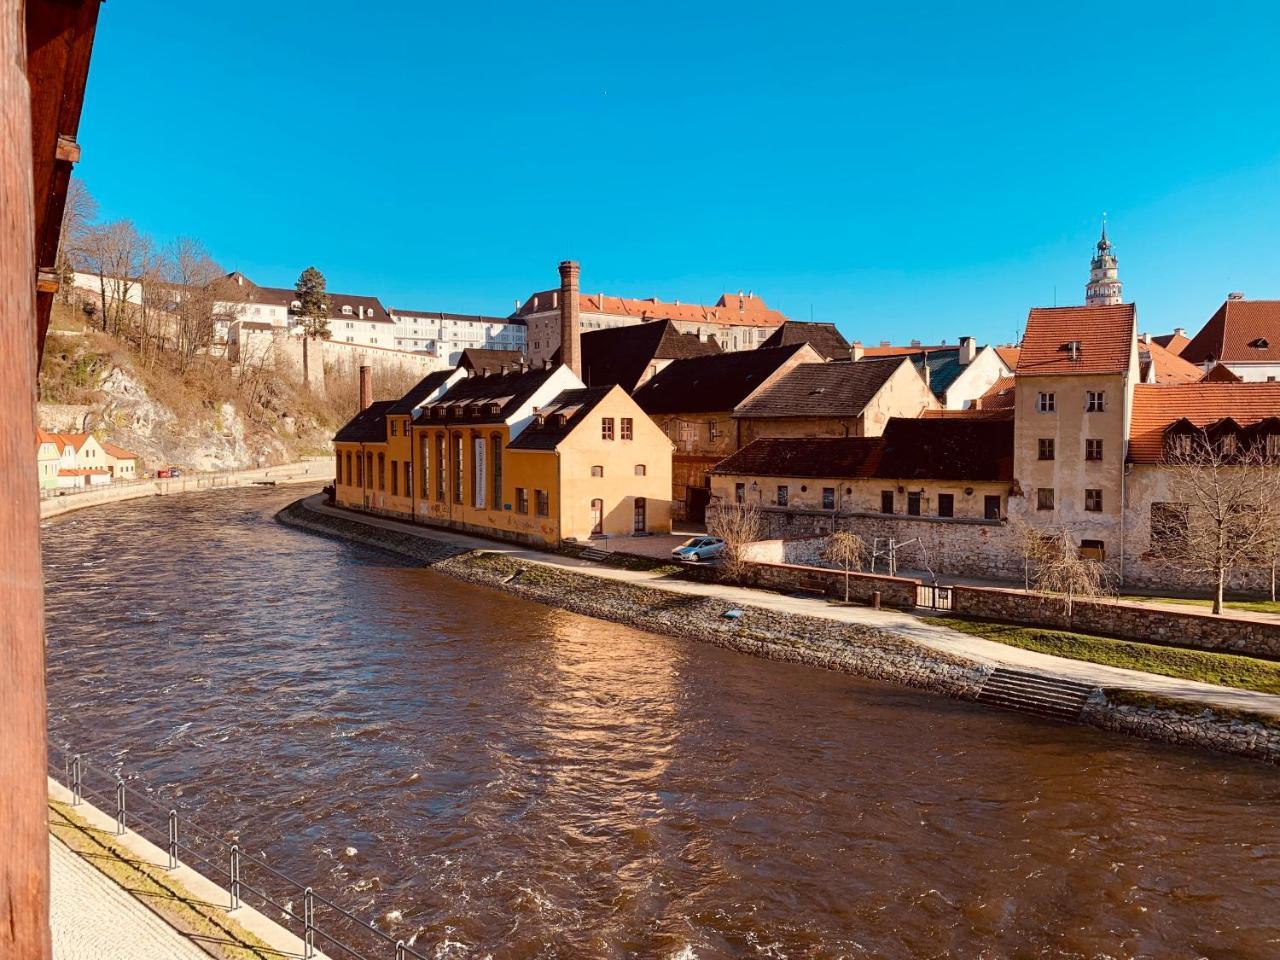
[
  {"x": 561, "y": 420},
  {"x": 1260, "y": 343},
  {"x": 1072, "y": 349},
  {"x": 295, "y": 305},
  {"x": 494, "y": 409},
  {"x": 346, "y": 310}
]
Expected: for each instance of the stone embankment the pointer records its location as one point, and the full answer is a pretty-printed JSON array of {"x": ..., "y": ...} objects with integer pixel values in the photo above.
[
  {"x": 319, "y": 470},
  {"x": 861, "y": 650}
]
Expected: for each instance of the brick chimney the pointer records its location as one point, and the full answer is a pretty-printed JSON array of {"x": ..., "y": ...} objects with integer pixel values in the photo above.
[
  {"x": 570, "y": 322},
  {"x": 366, "y": 387}
]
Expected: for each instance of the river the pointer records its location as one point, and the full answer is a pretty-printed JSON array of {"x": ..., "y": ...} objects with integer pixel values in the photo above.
[{"x": 518, "y": 782}]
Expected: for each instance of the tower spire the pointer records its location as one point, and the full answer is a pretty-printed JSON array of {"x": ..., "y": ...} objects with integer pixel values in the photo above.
[{"x": 1104, "y": 286}]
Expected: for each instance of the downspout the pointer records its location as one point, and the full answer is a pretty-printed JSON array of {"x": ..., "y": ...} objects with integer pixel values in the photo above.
[
  {"x": 559, "y": 503},
  {"x": 413, "y": 473}
]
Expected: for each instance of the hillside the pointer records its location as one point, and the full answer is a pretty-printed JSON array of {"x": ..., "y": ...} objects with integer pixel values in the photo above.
[{"x": 206, "y": 416}]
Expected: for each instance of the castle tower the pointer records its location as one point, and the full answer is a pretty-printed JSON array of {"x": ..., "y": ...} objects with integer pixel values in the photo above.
[{"x": 1104, "y": 286}]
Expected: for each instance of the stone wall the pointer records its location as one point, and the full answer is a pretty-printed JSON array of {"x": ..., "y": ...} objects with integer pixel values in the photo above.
[
  {"x": 955, "y": 547},
  {"x": 1131, "y": 621},
  {"x": 897, "y": 592},
  {"x": 283, "y": 353}
]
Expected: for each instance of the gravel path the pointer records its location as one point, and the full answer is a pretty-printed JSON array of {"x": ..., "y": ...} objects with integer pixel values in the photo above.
[{"x": 94, "y": 919}]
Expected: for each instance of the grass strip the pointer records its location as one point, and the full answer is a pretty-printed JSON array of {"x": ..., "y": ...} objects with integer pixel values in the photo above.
[
  {"x": 1224, "y": 669},
  {"x": 1251, "y": 606},
  {"x": 208, "y": 926}
]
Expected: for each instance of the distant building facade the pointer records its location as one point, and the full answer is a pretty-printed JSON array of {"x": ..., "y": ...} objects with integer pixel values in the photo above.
[{"x": 447, "y": 335}]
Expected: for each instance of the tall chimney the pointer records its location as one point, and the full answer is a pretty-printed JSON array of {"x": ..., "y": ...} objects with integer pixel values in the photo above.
[
  {"x": 366, "y": 387},
  {"x": 968, "y": 350},
  {"x": 856, "y": 352},
  {"x": 570, "y": 323}
]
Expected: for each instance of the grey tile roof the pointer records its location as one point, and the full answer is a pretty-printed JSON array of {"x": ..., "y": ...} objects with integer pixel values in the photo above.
[
  {"x": 823, "y": 337},
  {"x": 559, "y": 418},
  {"x": 367, "y": 426},
  {"x": 822, "y": 390}
]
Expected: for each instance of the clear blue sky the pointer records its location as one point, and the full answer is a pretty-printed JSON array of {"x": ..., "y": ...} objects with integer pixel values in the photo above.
[{"x": 925, "y": 170}]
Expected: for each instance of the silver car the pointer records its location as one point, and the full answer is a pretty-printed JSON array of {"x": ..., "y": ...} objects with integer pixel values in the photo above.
[{"x": 697, "y": 549}]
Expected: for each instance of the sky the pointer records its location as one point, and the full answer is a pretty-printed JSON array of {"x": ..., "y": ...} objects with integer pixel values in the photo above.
[{"x": 909, "y": 170}]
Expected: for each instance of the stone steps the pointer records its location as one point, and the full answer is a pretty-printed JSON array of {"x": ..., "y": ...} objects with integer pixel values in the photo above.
[
  {"x": 591, "y": 553},
  {"x": 1035, "y": 694}
]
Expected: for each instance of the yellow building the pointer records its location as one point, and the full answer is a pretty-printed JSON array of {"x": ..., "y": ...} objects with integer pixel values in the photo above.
[{"x": 528, "y": 455}]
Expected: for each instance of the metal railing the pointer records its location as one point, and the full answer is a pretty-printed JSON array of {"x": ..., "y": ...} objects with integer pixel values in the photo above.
[{"x": 180, "y": 835}]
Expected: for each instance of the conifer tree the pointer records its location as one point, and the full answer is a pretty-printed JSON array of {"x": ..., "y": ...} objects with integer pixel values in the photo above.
[{"x": 314, "y": 313}]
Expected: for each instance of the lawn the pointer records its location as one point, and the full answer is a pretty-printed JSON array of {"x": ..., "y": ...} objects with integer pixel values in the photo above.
[
  {"x": 1252, "y": 606},
  {"x": 1225, "y": 669}
]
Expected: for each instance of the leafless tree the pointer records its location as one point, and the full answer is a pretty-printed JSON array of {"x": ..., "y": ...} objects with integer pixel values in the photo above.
[
  {"x": 80, "y": 212},
  {"x": 848, "y": 550},
  {"x": 1225, "y": 509},
  {"x": 1032, "y": 546},
  {"x": 1061, "y": 570},
  {"x": 737, "y": 524},
  {"x": 112, "y": 251}
]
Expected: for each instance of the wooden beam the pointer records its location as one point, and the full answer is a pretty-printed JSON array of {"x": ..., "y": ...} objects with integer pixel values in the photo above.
[
  {"x": 24, "y": 862},
  {"x": 68, "y": 150}
]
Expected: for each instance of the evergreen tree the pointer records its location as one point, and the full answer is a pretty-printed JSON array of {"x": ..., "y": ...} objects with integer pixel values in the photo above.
[{"x": 314, "y": 313}]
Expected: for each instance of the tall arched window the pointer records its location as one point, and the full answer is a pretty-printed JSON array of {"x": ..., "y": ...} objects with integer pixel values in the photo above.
[
  {"x": 459, "y": 451},
  {"x": 495, "y": 455}
]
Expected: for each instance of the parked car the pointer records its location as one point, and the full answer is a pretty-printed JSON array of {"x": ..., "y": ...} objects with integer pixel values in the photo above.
[
  {"x": 164, "y": 474},
  {"x": 697, "y": 549}
]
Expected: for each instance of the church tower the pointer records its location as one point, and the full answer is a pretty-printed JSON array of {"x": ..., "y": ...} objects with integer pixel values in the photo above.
[{"x": 1103, "y": 288}]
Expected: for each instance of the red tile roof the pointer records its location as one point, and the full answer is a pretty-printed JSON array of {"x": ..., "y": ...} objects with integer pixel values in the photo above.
[
  {"x": 1156, "y": 407},
  {"x": 1221, "y": 373},
  {"x": 1169, "y": 367},
  {"x": 1241, "y": 331},
  {"x": 1009, "y": 355},
  {"x": 730, "y": 309},
  {"x": 999, "y": 395},
  {"x": 82, "y": 471},
  {"x": 119, "y": 453},
  {"x": 1174, "y": 342},
  {"x": 1104, "y": 338}
]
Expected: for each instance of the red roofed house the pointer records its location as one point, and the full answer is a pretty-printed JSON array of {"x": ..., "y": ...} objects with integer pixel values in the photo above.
[
  {"x": 1161, "y": 414},
  {"x": 1073, "y": 393},
  {"x": 1244, "y": 336},
  {"x": 84, "y": 462},
  {"x": 737, "y": 322}
]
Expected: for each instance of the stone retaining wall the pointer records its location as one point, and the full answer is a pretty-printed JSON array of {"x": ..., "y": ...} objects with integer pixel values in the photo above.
[
  {"x": 1204, "y": 729},
  {"x": 1132, "y": 621}
]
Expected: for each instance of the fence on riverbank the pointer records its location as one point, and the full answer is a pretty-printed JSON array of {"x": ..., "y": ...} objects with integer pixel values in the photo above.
[
  {"x": 248, "y": 879},
  {"x": 311, "y": 470}
]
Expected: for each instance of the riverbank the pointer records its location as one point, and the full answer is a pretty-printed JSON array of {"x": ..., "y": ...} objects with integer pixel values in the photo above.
[
  {"x": 874, "y": 644},
  {"x": 319, "y": 470}
]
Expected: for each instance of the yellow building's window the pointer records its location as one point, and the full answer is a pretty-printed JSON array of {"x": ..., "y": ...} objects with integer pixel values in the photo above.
[
  {"x": 543, "y": 502},
  {"x": 522, "y": 500}
]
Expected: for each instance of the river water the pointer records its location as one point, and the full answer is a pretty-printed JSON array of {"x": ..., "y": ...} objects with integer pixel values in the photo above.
[{"x": 519, "y": 782}]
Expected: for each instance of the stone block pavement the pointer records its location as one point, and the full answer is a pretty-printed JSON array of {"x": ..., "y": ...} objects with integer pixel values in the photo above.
[{"x": 92, "y": 918}]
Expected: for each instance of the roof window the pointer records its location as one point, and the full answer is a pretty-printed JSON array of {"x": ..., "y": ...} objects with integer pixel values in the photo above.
[
  {"x": 1071, "y": 347},
  {"x": 1260, "y": 343}
]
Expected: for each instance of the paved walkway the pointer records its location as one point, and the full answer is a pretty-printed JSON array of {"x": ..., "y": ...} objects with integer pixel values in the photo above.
[
  {"x": 902, "y": 623},
  {"x": 94, "y": 919}
]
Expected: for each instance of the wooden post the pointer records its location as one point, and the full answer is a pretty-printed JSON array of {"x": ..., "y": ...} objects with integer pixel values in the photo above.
[{"x": 24, "y": 863}]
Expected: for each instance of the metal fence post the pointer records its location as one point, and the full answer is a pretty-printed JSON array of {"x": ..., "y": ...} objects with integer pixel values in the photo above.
[
  {"x": 235, "y": 876},
  {"x": 121, "y": 816},
  {"x": 75, "y": 780},
  {"x": 399, "y": 950},
  {"x": 308, "y": 924},
  {"x": 173, "y": 839}
]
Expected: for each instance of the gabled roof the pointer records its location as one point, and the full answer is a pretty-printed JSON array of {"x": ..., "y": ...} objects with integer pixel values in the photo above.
[
  {"x": 1103, "y": 336},
  {"x": 43, "y": 437},
  {"x": 1009, "y": 355},
  {"x": 1168, "y": 367},
  {"x": 622, "y": 354},
  {"x": 117, "y": 453},
  {"x": 889, "y": 350},
  {"x": 829, "y": 342},
  {"x": 818, "y": 457},
  {"x": 1174, "y": 342},
  {"x": 480, "y": 360},
  {"x": 419, "y": 392},
  {"x": 999, "y": 396},
  {"x": 1240, "y": 332},
  {"x": 559, "y": 418},
  {"x": 822, "y": 390},
  {"x": 1221, "y": 373},
  {"x": 714, "y": 383},
  {"x": 485, "y": 398},
  {"x": 367, "y": 426},
  {"x": 749, "y": 311},
  {"x": 1157, "y": 407},
  {"x": 964, "y": 449}
]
